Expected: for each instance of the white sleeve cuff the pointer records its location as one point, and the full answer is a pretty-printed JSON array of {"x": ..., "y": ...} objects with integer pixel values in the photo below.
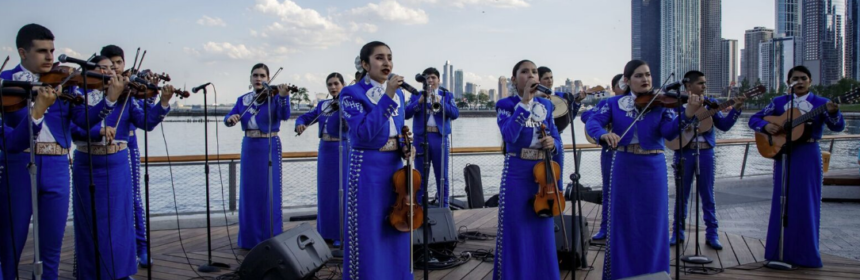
[
  {"x": 38, "y": 121},
  {"x": 165, "y": 107},
  {"x": 524, "y": 106},
  {"x": 110, "y": 103}
]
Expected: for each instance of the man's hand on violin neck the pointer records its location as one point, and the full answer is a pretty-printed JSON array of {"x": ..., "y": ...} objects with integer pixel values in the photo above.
[
  {"x": 116, "y": 86},
  {"x": 166, "y": 94},
  {"x": 44, "y": 99}
]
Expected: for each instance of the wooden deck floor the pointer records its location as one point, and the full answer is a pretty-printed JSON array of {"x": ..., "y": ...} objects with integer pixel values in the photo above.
[{"x": 742, "y": 257}]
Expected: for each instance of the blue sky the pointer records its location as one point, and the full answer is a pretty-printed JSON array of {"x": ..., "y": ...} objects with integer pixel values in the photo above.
[{"x": 218, "y": 41}]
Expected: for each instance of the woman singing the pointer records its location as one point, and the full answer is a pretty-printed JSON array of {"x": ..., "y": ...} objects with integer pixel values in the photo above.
[
  {"x": 525, "y": 244},
  {"x": 374, "y": 109},
  {"x": 638, "y": 196},
  {"x": 327, "y": 114},
  {"x": 259, "y": 202}
]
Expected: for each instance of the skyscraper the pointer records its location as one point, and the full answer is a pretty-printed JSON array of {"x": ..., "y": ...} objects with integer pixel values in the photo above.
[
  {"x": 788, "y": 18},
  {"x": 492, "y": 93},
  {"x": 852, "y": 48},
  {"x": 503, "y": 88},
  {"x": 646, "y": 42},
  {"x": 750, "y": 57},
  {"x": 824, "y": 26},
  {"x": 471, "y": 88},
  {"x": 711, "y": 36},
  {"x": 458, "y": 84},
  {"x": 729, "y": 65},
  {"x": 447, "y": 75},
  {"x": 765, "y": 68},
  {"x": 680, "y": 40}
]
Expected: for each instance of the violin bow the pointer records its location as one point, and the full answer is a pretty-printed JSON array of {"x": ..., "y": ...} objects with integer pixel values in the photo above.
[
  {"x": 261, "y": 92},
  {"x": 4, "y": 63},
  {"x": 133, "y": 71}
]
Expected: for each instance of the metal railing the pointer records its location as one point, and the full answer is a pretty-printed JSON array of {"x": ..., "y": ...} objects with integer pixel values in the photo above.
[{"x": 182, "y": 176}]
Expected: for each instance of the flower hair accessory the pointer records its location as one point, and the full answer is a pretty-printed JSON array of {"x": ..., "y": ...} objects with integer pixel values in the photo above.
[
  {"x": 622, "y": 85},
  {"x": 358, "y": 64}
]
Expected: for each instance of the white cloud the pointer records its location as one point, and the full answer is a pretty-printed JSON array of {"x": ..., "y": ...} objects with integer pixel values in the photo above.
[
  {"x": 8, "y": 49},
  {"x": 363, "y": 27},
  {"x": 391, "y": 10},
  {"x": 480, "y": 3},
  {"x": 298, "y": 26},
  {"x": 71, "y": 53},
  {"x": 210, "y": 21},
  {"x": 226, "y": 49}
]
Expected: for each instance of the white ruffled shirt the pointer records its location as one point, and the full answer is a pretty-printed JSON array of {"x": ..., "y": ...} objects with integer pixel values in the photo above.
[
  {"x": 374, "y": 94},
  {"x": 431, "y": 121}
]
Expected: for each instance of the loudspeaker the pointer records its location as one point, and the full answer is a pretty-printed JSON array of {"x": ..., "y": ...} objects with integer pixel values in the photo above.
[
  {"x": 652, "y": 276},
  {"x": 589, "y": 194},
  {"x": 569, "y": 258},
  {"x": 297, "y": 253},
  {"x": 474, "y": 186},
  {"x": 441, "y": 225}
]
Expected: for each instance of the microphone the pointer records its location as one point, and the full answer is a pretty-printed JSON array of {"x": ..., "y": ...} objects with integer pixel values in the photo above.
[
  {"x": 792, "y": 84},
  {"x": 672, "y": 86},
  {"x": 443, "y": 89},
  {"x": 544, "y": 89},
  {"x": 83, "y": 63},
  {"x": 22, "y": 84},
  {"x": 405, "y": 86},
  {"x": 198, "y": 88},
  {"x": 420, "y": 78}
]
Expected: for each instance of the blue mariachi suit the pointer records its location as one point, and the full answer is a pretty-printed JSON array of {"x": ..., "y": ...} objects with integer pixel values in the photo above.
[
  {"x": 525, "y": 242},
  {"x": 139, "y": 211},
  {"x": 260, "y": 216},
  {"x": 705, "y": 185},
  {"x": 373, "y": 118},
  {"x": 638, "y": 196},
  {"x": 605, "y": 165},
  {"x": 804, "y": 200},
  {"x": 53, "y": 186},
  {"x": 559, "y": 157},
  {"x": 114, "y": 197},
  {"x": 440, "y": 147},
  {"x": 329, "y": 162}
]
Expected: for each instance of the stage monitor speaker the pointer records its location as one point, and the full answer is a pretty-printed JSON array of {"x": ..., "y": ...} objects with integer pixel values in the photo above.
[
  {"x": 297, "y": 253},
  {"x": 652, "y": 276},
  {"x": 442, "y": 231},
  {"x": 570, "y": 259}
]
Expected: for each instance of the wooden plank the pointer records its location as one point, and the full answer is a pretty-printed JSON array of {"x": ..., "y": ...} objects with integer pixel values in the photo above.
[
  {"x": 756, "y": 248},
  {"x": 739, "y": 247},
  {"x": 726, "y": 256}
]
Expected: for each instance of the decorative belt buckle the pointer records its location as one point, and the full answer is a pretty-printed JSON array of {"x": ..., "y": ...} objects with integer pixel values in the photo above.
[{"x": 530, "y": 154}]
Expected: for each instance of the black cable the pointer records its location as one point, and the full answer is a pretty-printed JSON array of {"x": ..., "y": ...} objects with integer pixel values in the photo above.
[
  {"x": 221, "y": 180},
  {"x": 463, "y": 234}
]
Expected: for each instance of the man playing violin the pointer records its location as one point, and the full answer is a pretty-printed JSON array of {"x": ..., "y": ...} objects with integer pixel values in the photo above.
[
  {"x": 51, "y": 123},
  {"x": 546, "y": 80},
  {"x": 804, "y": 202},
  {"x": 438, "y": 129},
  {"x": 703, "y": 147}
]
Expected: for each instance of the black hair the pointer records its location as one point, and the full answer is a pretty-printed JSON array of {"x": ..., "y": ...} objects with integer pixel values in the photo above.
[
  {"x": 615, "y": 80},
  {"x": 543, "y": 70},
  {"x": 632, "y": 66},
  {"x": 30, "y": 32},
  {"x": 111, "y": 51},
  {"x": 517, "y": 67},
  {"x": 799, "y": 68},
  {"x": 98, "y": 58},
  {"x": 334, "y": 75},
  {"x": 368, "y": 49},
  {"x": 431, "y": 71},
  {"x": 258, "y": 66},
  {"x": 692, "y": 76}
]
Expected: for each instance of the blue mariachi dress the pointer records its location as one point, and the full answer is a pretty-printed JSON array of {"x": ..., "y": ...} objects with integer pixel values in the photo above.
[
  {"x": 440, "y": 147},
  {"x": 53, "y": 186},
  {"x": 113, "y": 194},
  {"x": 330, "y": 160},
  {"x": 638, "y": 196},
  {"x": 705, "y": 185},
  {"x": 525, "y": 242},
  {"x": 559, "y": 157},
  {"x": 373, "y": 249},
  {"x": 605, "y": 165},
  {"x": 260, "y": 215},
  {"x": 804, "y": 199}
]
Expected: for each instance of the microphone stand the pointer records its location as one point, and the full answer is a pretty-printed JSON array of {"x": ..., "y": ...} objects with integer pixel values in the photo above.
[
  {"x": 574, "y": 178},
  {"x": 209, "y": 266},
  {"x": 424, "y": 179},
  {"x": 92, "y": 186},
  {"x": 34, "y": 188},
  {"x": 679, "y": 193},
  {"x": 786, "y": 165},
  {"x": 339, "y": 252},
  {"x": 697, "y": 258}
]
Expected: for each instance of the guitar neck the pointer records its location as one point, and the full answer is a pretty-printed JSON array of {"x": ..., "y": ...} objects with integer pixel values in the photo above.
[
  {"x": 813, "y": 113},
  {"x": 711, "y": 112}
]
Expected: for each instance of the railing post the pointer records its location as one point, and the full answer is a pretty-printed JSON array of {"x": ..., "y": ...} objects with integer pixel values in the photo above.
[
  {"x": 831, "y": 146},
  {"x": 744, "y": 164},
  {"x": 232, "y": 180}
]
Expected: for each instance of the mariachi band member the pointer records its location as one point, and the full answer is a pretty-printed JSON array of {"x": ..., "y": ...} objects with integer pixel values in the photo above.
[
  {"x": 111, "y": 175},
  {"x": 117, "y": 57},
  {"x": 605, "y": 160},
  {"x": 51, "y": 122},
  {"x": 442, "y": 110},
  {"x": 804, "y": 202},
  {"x": 374, "y": 110},
  {"x": 638, "y": 206},
  {"x": 525, "y": 243},
  {"x": 546, "y": 79},
  {"x": 260, "y": 113},
  {"x": 331, "y": 159},
  {"x": 695, "y": 83}
]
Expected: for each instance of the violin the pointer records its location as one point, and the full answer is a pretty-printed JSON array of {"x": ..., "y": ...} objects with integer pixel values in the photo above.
[
  {"x": 406, "y": 214},
  {"x": 14, "y": 99},
  {"x": 266, "y": 92},
  {"x": 547, "y": 201}
]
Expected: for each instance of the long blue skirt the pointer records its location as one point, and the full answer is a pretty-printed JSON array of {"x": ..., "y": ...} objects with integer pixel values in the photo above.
[
  {"x": 525, "y": 243},
  {"x": 373, "y": 248},
  {"x": 139, "y": 211},
  {"x": 260, "y": 216},
  {"x": 53, "y": 201},
  {"x": 638, "y": 217},
  {"x": 328, "y": 187},
  {"x": 112, "y": 178},
  {"x": 804, "y": 208}
]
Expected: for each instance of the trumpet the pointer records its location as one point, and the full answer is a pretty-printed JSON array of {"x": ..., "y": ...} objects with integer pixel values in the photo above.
[{"x": 435, "y": 105}]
